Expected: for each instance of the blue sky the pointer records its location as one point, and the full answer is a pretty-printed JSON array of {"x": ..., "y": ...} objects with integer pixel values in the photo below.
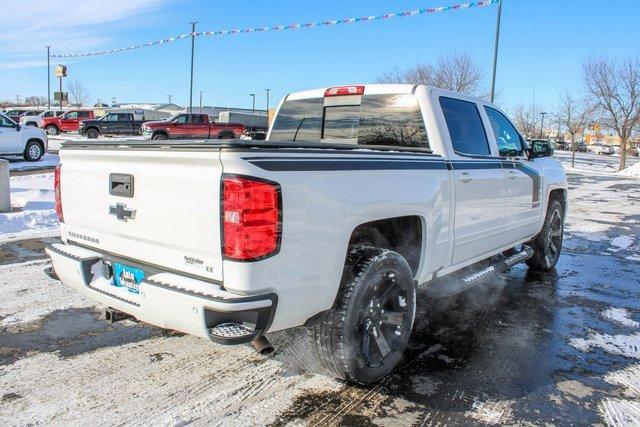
[{"x": 543, "y": 44}]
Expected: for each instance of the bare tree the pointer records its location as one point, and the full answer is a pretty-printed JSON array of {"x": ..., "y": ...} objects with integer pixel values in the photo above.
[
  {"x": 525, "y": 118},
  {"x": 614, "y": 86},
  {"x": 458, "y": 72},
  {"x": 35, "y": 100},
  {"x": 78, "y": 93},
  {"x": 573, "y": 114}
]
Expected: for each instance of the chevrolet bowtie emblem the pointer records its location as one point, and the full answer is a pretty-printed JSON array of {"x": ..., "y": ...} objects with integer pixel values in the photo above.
[{"x": 121, "y": 212}]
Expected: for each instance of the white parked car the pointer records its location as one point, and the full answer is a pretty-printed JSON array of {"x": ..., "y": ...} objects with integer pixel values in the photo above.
[
  {"x": 359, "y": 195},
  {"x": 36, "y": 120},
  {"x": 17, "y": 140}
]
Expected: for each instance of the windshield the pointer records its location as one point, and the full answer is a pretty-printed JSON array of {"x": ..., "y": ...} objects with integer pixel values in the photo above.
[{"x": 382, "y": 120}]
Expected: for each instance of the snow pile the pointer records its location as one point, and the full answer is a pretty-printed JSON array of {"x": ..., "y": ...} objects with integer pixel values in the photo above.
[
  {"x": 620, "y": 316},
  {"x": 632, "y": 171},
  {"x": 33, "y": 213}
]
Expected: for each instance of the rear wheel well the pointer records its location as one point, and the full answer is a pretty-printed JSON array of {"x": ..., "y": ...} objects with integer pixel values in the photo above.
[
  {"x": 226, "y": 133},
  {"x": 400, "y": 234}
]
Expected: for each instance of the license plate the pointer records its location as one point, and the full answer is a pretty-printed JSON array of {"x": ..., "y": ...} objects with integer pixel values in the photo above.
[{"x": 127, "y": 277}]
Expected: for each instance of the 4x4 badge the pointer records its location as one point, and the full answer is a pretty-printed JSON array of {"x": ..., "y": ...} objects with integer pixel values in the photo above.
[{"x": 121, "y": 212}]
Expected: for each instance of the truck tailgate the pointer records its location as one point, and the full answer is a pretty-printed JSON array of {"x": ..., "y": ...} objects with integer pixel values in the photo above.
[{"x": 170, "y": 219}]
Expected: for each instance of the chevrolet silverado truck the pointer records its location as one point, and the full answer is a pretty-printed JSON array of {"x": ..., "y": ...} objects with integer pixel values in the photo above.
[
  {"x": 17, "y": 140},
  {"x": 191, "y": 126},
  {"x": 359, "y": 195},
  {"x": 111, "y": 124},
  {"x": 68, "y": 122}
]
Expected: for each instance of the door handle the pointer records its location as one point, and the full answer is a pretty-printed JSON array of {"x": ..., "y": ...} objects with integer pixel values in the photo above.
[
  {"x": 512, "y": 175},
  {"x": 465, "y": 177}
]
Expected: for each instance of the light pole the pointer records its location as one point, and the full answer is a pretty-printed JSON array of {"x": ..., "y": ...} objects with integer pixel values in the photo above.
[
  {"x": 253, "y": 105},
  {"x": 495, "y": 52},
  {"x": 267, "y": 90},
  {"x": 542, "y": 124},
  {"x": 48, "y": 77},
  {"x": 200, "y": 109},
  {"x": 193, "y": 45}
]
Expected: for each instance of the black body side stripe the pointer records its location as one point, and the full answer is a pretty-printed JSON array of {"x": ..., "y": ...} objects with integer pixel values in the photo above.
[
  {"x": 474, "y": 165},
  {"x": 347, "y": 165},
  {"x": 537, "y": 181}
]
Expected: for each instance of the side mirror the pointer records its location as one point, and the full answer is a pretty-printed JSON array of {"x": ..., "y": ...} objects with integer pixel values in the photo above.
[{"x": 540, "y": 149}]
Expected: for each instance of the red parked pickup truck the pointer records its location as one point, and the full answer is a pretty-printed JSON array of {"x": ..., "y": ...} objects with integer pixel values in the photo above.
[
  {"x": 68, "y": 122},
  {"x": 191, "y": 126}
]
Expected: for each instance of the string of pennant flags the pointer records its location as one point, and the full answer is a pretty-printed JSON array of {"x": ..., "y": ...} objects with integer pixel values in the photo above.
[{"x": 308, "y": 25}]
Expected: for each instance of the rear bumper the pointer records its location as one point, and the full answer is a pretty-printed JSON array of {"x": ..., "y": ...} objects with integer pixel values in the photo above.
[{"x": 166, "y": 300}]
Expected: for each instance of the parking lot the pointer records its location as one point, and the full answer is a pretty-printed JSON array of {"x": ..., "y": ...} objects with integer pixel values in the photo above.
[{"x": 525, "y": 349}]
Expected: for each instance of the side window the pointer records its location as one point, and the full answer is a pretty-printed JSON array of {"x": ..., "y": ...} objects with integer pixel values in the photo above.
[
  {"x": 83, "y": 114},
  {"x": 181, "y": 119},
  {"x": 73, "y": 115},
  {"x": 111, "y": 118},
  {"x": 465, "y": 127},
  {"x": 48, "y": 114},
  {"x": 198, "y": 119},
  {"x": 507, "y": 137},
  {"x": 5, "y": 122}
]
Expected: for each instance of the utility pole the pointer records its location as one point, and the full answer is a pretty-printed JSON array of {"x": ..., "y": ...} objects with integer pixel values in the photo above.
[
  {"x": 193, "y": 45},
  {"x": 169, "y": 97},
  {"x": 495, "y": 52},
  {"x": 48, "y": 77},
  {"x": 542, "y": 124},
  {"x": 113, "y": 101},
  {"x": 200, "y": 111},
  {"x": 267, "y": 90},
  {"x": 253, "y": 107},
  {"x": 17, "y": 99}
]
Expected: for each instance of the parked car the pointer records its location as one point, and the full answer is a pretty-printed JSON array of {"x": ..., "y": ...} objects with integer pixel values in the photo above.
[
  {"x": 25, "y": 141},
  {"x": 581, "y": 147},
  {"x": 603, "y": 149},
  {"x": 68, "y": 122},
  {"x": 36, "y": 119},
  {"x": 184, "y": 126},
  {"x": 111, "y": 124},
  {"x": 358, "y": 195},
  {"x": 15, "y": 114}
]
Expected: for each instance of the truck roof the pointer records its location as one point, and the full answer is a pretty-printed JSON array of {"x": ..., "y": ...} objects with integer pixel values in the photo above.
[{"x": 370, "y": 89}]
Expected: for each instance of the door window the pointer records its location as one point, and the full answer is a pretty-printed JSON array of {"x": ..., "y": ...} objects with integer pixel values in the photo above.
[
  {"x": 84, "y": 114},
  {"x": 181, "y": 119},
  {"x": 48, "y": 114},
  {"x": 5, "y": 122},
  {"x": 111, "y": 118},
  {"x": 72, "y": 115},
  {"x": 507, "y": 137},
  {"x": 465, "y": 127},
  {"x": 198, "y": 119}
]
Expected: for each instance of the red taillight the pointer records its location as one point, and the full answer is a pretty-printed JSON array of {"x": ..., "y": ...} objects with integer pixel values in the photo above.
[
  {"x": 344, "y": 90},
  {"x": 58, "y": 192},
  {"x": 251, "y": 212}
]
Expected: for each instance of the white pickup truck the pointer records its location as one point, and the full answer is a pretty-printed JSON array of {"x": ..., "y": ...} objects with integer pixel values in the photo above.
[
  {"x": 359, "y": 195},
  {"x": 17, "y": 140}
]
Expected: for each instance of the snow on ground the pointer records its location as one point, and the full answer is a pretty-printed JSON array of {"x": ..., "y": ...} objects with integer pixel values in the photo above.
[
  {"x": 33, "y": 209},
  {"x": 620, "y": 316}
]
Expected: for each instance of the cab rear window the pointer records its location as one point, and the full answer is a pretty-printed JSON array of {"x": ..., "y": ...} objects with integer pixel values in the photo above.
[{"x": 379, "y": 120}]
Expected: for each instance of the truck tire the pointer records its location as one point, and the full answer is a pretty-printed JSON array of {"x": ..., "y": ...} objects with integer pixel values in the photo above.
[
  {"x": 33, "y": 151},
  {"x": 159, "y": 136},
  {"x": 547, "y": 245},
  {"x": 52, "y": 130},
  {"x": 362, "y": 338},
  {"x": 92, "y": 133}
]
